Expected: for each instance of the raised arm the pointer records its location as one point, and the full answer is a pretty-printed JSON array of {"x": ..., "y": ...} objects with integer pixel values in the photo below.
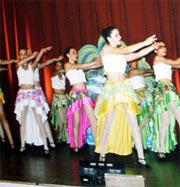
[
  {"x": 30, "y": 58},
  {"x": 39, "y": 56}
]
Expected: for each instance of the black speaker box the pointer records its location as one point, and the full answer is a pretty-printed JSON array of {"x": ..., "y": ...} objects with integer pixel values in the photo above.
[{"x": 93, "y": 172}]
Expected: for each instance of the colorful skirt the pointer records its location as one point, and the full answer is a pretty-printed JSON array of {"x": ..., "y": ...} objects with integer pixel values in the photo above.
[
  {"x": 40, "y": 92},
  {"x": 29, "y": 98},
  {"x": 146, "y": 101},
  {"x": 2, "y": 100},
  {"x": 59, "y": 102},
  {"x": 164, "y": 94},
  {"x": 112, "y": 96},
  {"x": 78, "y": 98}
]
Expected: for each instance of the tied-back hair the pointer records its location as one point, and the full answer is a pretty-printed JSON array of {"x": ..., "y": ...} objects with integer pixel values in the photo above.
[
  {"x": 67, "y": 50},
  {"x": 106, "y": 32}
]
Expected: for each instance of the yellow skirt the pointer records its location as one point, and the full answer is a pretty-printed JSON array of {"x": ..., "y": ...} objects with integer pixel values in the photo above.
[{"x": 113, "y": 95}]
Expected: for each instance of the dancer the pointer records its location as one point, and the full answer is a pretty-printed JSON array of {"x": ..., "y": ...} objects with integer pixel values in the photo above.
[
  {"x": 80, "y": 111},
  {"x": 137, "y": 80},
  {"x": 59, "y": 102},
  {"x": 29, "y": 108},
  {"x": 166, "y": 103},
  {"x": 3, "y": 119},
  {"x": 117, "y": 104},
  {"x": 40, "y": 92}
]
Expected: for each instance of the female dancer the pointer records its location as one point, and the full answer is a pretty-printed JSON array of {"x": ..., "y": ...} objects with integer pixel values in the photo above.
[
  {"x": 59, "y": 103},
  {"x": 3, "y": 119},
  {"x": 29, "y": 108},
  {"x": 166, "y": 103},
  {"x": 117, "y": 104},
  {"x": 137, "y": 80},
  {"x": 40, "y": 92},
  {"x": 80, "y": 111}
]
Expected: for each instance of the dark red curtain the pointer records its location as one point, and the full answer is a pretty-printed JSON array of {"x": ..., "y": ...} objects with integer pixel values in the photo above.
[{"x": 62, "y": 23}]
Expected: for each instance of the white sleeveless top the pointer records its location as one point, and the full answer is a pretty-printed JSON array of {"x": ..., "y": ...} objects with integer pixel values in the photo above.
[
  {"x": 76, "y": 76},
  {"x": 58, "y": 83},
  {"x": 25, "y": 76},
  {"x": 162, "y": 71},
  {"x": 114, "y": 63},
  {"x": 36, "y": 75},
  {"x": 137, "y": 81}
]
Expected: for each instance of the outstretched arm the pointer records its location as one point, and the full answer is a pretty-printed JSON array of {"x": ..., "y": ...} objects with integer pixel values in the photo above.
[
  {"x": 173, "y": 63},
  {"x": 84, "y": 66},
  {"x": 3, "y": 69},
  {"x": 5, "y": 62},
  {"x": 50, "y": 61}
]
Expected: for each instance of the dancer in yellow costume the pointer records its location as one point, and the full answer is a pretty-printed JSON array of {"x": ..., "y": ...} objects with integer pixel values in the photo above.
[{"x": 117, "y": 105}]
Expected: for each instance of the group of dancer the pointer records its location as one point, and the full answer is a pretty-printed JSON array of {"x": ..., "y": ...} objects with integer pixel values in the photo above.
[{"x": 122, "y": 111}]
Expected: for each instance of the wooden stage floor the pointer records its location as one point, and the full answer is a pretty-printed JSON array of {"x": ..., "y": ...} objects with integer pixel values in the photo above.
[{"x": 63, "y": 166}]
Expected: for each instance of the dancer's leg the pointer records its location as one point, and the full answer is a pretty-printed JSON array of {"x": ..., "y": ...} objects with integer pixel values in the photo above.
[
  {"x": 6, "y": 125},
  {"x": 163, "y": 130},
  {"x": 132, "y": 121},
  {"x": 175, "y": 111},
  {"x": 2, "y": 136},
  {"x": 42, "y": 130},
  {"x": 61, "y": 122},
  {"x": 90, "y": 113},
  {"x": 49, "y": 134},
  {"x": 76, "y": 122},
  {"x": 23, "y": 128}
]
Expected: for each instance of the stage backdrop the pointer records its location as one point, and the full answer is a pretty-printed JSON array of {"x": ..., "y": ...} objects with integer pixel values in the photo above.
[{"x": 61, "y": 23}]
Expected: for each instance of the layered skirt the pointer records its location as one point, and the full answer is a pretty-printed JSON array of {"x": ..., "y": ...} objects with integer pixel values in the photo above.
[
  {"x": 78, "y": 98},
  {"x": 59, "y": 102},
  {"x": 30, "y": 98},
  {"x": 164, "y": 94},
  {"x": 113, "y": 96},
  {"x": 146, "y": 100}
]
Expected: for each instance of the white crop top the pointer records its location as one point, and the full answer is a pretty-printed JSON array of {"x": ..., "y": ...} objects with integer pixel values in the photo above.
[
  {"x": 137, "y": 82},
  {"x": 25, "y": 76},
  {"x": 36, "y": 75},
  {"x": 76, "y": 76},
  {"x": 114, "y": 63},
  {"x": 58, "y": 83},
  {"x": 162, "y": 71}
]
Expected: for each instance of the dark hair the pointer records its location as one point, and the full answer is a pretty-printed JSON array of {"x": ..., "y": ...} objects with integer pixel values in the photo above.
[
  {"x": 67, "y": 50},
  {"x": 106, "y": 32}
]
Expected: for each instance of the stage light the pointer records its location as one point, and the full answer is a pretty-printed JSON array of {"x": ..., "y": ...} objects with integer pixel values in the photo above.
[{"x": 94, "y": 172}]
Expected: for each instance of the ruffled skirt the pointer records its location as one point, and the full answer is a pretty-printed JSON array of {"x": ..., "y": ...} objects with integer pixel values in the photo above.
[
  {"x": 164, "y": 94},
  {"x": 29, "y": 98},
  {"x": 112, "y": 96},
  {"x": 146, "y": 101},
  {"x": 59, "y": 102},
  {"x": 78, "y": 98}
]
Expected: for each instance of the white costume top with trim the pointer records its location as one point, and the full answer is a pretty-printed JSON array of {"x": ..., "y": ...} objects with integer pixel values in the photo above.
[
  {"x": 76, "y": 76},
  {"x": 137, "y": 82},
  {"x": 25, "y": 76},
  {"x": 58, "y": 83},
  {"x": 114, "y": 63},
  {"x": 162, "y": 71},
  {"x": 36, "y": 75}
]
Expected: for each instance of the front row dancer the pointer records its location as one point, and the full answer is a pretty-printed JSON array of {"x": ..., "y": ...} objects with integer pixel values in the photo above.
[
  {"x": 29, "y": 109},
  {"x": 80, "y": 114},
  {"x": 117, "y": 105},
  {"x": 166, "y": 103}
]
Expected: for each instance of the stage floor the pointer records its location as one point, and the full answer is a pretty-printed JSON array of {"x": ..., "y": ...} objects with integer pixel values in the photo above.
[{"x": 63, "y": 166}]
